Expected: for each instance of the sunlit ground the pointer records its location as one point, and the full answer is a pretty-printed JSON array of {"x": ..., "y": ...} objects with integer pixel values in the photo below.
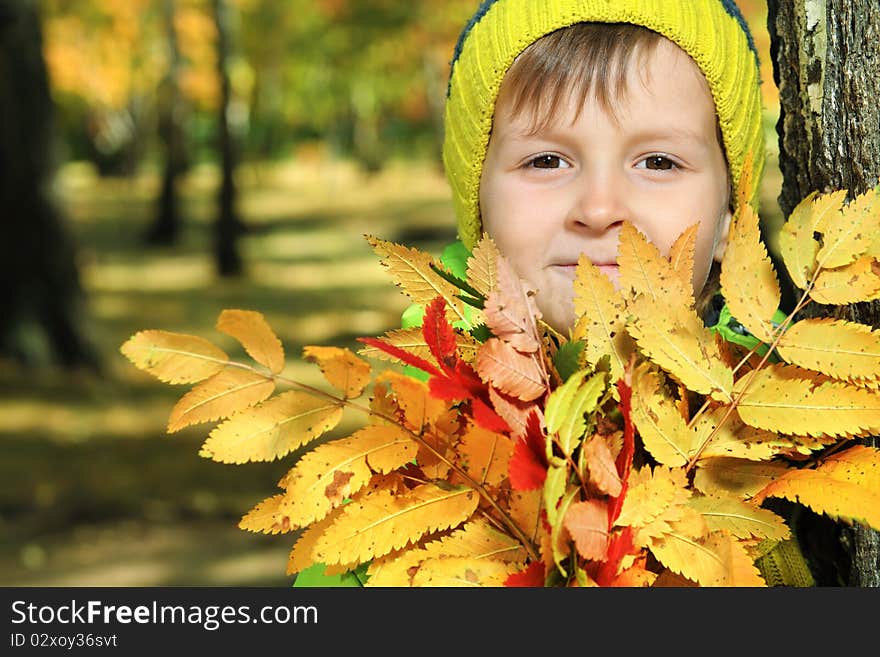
[{"x": 92, "y": 489}]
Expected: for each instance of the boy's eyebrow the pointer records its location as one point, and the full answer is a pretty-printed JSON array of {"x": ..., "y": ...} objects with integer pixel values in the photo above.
[{"x": 675, "y": 132}]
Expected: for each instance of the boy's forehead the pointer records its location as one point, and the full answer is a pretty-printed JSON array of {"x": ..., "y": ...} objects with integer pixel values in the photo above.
[{"x": 661, "y": 79}]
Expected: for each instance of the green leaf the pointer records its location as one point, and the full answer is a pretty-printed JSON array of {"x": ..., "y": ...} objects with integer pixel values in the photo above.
[
  {"x": 567, "y": 359},
  {"x": 568, "y": 404}
]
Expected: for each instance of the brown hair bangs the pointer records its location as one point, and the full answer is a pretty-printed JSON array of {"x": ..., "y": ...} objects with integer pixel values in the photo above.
[{"x": 573, "y": 62}]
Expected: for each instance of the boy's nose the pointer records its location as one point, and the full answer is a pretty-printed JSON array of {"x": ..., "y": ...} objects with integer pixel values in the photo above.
[{"x": 600, "y": 201}]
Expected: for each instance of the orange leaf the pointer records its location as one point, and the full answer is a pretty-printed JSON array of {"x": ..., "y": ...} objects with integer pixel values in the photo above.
[
  {"x": 412, "y": 396},
  {"x": 603, "y": 471},
  {"x": 587, "y": 523},
  {"x": 510, "y": 310},
  {"x": 486, "y": 454},
  {"x": 512, "y": 372}
]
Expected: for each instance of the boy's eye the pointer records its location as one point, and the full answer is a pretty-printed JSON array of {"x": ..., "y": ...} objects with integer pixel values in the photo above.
[
  {"x": 548, "y": 162},
  {"x": 658, "y": 163}
]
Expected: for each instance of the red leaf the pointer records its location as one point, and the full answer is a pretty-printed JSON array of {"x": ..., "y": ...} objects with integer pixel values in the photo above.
[
  {"x": 625, "y": 458},
  {"x": 535, "y": 437},
  {"x": 532, "y": 576},
  {"x": 442, "y": 387},
  {"x": 487, "y": 418},
  {"x": 618, "y": 547},
  {"x": 439, "y": 334},
  {"x": 524, "y": 471},
  {"x": 401, "y": 354},
  {"x": 527, "y": 469}
]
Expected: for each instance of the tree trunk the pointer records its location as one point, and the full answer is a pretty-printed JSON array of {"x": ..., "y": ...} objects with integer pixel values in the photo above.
[
  {"x": 42, "y": 301},
  {"x": 228, "y": 224},
  {"x": 826, "y": 58},
  {"x": 166, "y": 226}
]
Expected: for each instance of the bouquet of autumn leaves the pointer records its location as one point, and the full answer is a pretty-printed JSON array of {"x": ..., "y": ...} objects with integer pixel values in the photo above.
[{"x": 635, "y": 452}]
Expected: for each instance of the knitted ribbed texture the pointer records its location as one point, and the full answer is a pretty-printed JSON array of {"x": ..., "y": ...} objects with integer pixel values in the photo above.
[
  {"x": 712, "y": 32},
  {"x": 783, "y": 564}
]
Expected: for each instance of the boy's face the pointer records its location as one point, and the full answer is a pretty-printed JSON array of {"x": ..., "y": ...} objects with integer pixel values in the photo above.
[{"x": 548, "y": 196}]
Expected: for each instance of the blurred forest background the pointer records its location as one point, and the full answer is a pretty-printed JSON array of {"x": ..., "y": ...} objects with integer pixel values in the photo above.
[{"x": 161, "y": 160}]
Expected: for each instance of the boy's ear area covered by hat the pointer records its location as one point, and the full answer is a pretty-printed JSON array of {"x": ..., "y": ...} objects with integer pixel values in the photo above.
[{"x": 713, "y": 32}]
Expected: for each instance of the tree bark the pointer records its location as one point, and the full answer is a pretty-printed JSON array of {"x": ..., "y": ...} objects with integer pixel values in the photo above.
[
  {"x": 166, "y": 226},
  {"x": 228, "y": 224},
  {"x": 826, "y": 58},
  {"x": 42, "y": 303}
]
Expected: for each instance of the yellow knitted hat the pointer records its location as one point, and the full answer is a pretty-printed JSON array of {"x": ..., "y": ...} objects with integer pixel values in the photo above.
[{"x": 712, "y": 32}]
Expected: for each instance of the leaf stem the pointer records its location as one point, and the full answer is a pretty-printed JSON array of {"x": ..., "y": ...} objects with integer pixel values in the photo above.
[{"x": 474, "y": 484}]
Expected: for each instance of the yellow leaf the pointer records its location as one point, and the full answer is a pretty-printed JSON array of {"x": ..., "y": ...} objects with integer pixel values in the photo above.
[
  {"x": 525, "y": 510},
  {"x": 787, "y": 399},
  {"x": 253, "y": 332},
  {"x": 227, "y": 392},
  {"x": 411, "y": 271},
  {"x": 703, "y": 559},
  {"x": 413, "y": 341},
  {"x": 842, "y": 349},
  {"x": 682, "y": 345},
  {"x": 734, "y": 438},
  {"x": 486, "y": 454},
  {"x": 475, "y": 540},
  {"x": 681, "y": 255},
  {"x": 262, "y": 518},
  {"x": 739, "y": 565},
  {"x": 174, "y": 357},
  {"x": 301, "y": 556},
  {"x": 601, "y": 322},
  {"x": 387, "y": 522},
  {"x": 748, "y": 280},
  {"x": 342, "y": 369},
  {"x": 797, "y": 244},
  {"x": 272, "y": 429},
  {"x": 848, "y": 234},
  {"x": 858, "y": 281},
  {"x": 567, "y": 405},
  {"x": 324, "y": 477},
  {"x": 450, "y": 572},
  {"x": 845, "y": 486},
  {"x": 739, "y": 518},
  {"x": 663, "y": 430},
  {"x": 514, "y": 373},
  {"x": 655, "y": 497},
  {"x": 645, "y": 271},
  {"x": 738, "y": 477},
  {"x": 482, "y": 266}
]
